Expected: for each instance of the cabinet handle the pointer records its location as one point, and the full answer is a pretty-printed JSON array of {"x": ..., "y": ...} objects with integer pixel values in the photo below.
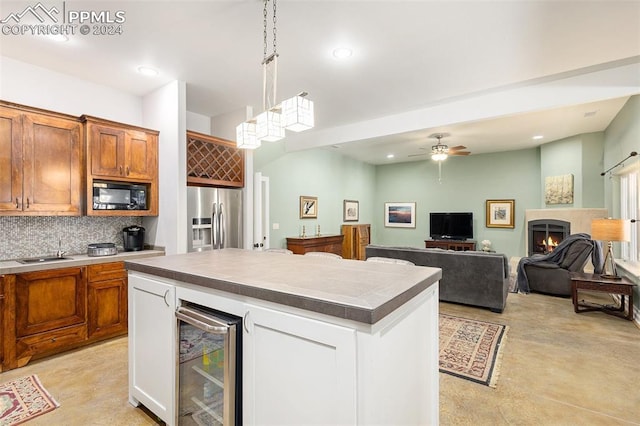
[
  {"x": 166, "y": 293},
  {"x": 245, "y": 322},
  {"x": 127, "y": 169},
  {"x": 120, "y": 170},
  {"x": 17, "y": 205},
  {"x": 53, "y": 340},
  {"x": 27, "y": 202}
]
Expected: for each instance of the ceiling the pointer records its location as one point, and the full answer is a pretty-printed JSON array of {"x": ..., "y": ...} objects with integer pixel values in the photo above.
[{"x": 408, "y": 57}]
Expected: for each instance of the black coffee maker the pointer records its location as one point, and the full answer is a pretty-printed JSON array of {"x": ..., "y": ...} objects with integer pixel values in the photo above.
[{"x": 133, "y": 238}]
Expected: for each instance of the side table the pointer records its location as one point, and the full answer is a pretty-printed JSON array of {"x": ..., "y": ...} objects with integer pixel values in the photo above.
[{"x": 594, "y": 282}]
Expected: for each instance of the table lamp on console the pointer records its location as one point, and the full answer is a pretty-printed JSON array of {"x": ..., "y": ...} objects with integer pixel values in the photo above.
[{"x": 609, "y": 230}]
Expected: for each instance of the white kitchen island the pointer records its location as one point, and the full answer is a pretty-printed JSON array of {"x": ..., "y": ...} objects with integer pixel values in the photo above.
[{"x": 325, "y": 341}]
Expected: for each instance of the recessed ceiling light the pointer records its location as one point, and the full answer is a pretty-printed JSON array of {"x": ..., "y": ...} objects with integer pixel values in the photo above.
[
  {"x": 537, "y": 137},
  {"x": 342, "y": 53},
  {"x": 148, "y": 71},
  {"x": 390, "y": 156}
]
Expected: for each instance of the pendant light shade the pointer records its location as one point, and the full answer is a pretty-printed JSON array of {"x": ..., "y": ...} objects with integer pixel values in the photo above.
[
  {"x": 269, "y": 126},
  {"x": 246, "y": 136},
  {"x": 297, "y": 113}
]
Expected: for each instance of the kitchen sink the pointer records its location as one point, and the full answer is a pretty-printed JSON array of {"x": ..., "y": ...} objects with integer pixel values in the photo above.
[{"x": 43, "y": 259}]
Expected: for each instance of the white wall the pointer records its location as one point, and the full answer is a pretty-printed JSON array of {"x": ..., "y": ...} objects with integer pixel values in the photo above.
[
  {"x": 27, "y": 84},
  {"x": 165, "y": 110},
  {"x": 198, "y": 123}
]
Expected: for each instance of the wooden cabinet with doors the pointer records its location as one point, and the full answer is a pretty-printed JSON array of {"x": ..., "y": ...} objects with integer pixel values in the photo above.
[
  {"x": 356, "y": 238},
  {"x": 2, "y": 313},
  {"x": 50, "y": 312},
  {"x": 41, "y": 170},
  {"x": 213, "y": 161},
  {"x": 121, "y": 153},
  {"x": 106, "y": 300}
]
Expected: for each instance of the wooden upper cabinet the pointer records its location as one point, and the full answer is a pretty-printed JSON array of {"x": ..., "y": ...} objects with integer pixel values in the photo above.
[
  {"x": 125, "y": 153},
  {"x": 121, "y": 153},
  {"x": 42, "y": 173},
  {"x": 10, "y": 160},
  {"x": 213, "y": 161}
]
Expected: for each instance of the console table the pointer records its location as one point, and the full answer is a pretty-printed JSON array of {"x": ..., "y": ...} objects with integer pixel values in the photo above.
[
  {"x": 457, "y": 245},
  {"x": 326, "y": 243},
  {"x": 594, "y": 282}
]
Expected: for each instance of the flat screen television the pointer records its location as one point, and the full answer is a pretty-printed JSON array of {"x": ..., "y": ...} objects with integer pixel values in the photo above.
[{"x": 451, "y": 226}]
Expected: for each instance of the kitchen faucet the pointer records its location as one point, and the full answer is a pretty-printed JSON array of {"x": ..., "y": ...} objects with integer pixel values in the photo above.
[{"x": 60, "y": 253}]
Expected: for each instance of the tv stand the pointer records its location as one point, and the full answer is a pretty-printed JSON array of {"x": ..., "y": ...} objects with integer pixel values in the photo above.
[{"x": 458, "y": 245}]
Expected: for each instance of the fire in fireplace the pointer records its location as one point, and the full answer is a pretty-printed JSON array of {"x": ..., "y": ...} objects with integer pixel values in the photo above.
[{"x": 546, "y": 234}]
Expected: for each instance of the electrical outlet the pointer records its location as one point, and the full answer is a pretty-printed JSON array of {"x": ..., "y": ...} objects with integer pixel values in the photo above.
[{"x": 276, "y": 226}]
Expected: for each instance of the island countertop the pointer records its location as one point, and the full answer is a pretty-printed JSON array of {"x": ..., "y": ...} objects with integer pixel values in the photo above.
[{"x": 350, "y": 289}]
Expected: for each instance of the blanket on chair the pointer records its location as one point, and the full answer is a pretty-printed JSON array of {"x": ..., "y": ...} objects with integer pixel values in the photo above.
[{"x": 557, "y": 256}]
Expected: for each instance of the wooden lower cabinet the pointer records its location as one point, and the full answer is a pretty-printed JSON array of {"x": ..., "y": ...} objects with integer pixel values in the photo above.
[
  {"x": 356, "y": 239},
  {"x": 451, "y": 244},
  {"x": 52, "y": 311},
  {"x": 107, "y": 300}
]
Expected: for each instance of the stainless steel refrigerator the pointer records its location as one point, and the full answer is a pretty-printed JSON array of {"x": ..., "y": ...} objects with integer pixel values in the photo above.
[{"x": 214, "y": 218}]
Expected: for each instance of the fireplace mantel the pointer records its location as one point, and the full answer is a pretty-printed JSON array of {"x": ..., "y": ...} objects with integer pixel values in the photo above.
[{"x": 580, "y": 219}]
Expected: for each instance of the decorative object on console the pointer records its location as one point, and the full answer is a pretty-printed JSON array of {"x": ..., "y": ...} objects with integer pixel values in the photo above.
[
  {"x": 308, "y": 207},
  {"x": 608, "y": 229},
  {"x": 558, "y": 189},
  {"x": 486, "y": 245},
  {"x": 295, "y": 114},
  {"x": 351, "y": 211},
  {"x": 500, "y": 213},
  {"x": 400, "y": 215}
]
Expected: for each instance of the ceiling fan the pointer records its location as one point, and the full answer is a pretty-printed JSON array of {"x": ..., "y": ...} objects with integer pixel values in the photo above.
[{"x": 440, "y": 151}]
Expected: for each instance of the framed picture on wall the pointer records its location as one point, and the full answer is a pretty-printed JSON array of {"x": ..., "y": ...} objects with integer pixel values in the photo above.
[
  {"x": 400, "y": 215},
  {"x": 308, "y": 207},
  {"x": 500, "y": 213},
  {"x": 351, "y": 211}
]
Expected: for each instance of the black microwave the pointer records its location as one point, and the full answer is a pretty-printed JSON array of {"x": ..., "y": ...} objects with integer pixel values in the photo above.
[{"x": 119, "y": 196}]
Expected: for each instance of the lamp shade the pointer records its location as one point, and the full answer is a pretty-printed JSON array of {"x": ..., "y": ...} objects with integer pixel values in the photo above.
[
  {"x": 608, "y": 229},
  {"x": 269, "y": 126},
  {"x": 297, "y": 114},
  {"x": 440, "y": 156},
  {"x": 246, "y": 136}
]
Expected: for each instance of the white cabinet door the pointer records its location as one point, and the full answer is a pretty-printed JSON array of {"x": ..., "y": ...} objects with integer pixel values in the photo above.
[
  {"x": 152, "y": 351},
  {"x": 297, "y": 370}
]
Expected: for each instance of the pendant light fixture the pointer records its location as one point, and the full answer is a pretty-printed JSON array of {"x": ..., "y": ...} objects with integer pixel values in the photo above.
[{"x": 295, "y": 114}]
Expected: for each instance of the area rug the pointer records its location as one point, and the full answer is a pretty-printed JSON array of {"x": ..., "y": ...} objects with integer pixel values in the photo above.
[
  {"x": 471, "y": 349},
  {"x": 23, "y": 399}
]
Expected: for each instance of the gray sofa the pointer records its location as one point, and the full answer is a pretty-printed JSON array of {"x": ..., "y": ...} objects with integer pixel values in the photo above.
[{"x": 468, "y": 277}]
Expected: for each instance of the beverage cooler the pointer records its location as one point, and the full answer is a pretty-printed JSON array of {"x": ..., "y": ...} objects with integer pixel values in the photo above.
[{"x": 210, "y": 367}]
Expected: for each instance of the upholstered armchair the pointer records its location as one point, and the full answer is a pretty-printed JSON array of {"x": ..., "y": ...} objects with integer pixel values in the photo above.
[{"x": 551, "y": 276}]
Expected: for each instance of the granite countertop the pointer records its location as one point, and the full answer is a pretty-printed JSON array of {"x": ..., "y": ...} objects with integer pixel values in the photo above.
[
  {"x": 15, "y": 267},
  {"x": 361, "y": 291}
]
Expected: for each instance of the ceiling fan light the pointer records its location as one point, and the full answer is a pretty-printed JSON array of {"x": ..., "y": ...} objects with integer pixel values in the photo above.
[
  {"x": 440, "y": 156},
  {"x": 269, "y": 126},
  {"x": 246, "y": 136},
  {"x": 297, "y": 114}
]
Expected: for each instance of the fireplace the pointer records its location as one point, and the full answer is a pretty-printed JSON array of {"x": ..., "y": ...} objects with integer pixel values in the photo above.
[{"x": 546, "y": 234}]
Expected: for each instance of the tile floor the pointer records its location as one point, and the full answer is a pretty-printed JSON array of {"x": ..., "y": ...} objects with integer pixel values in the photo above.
[{"x": 558, "y": 368}]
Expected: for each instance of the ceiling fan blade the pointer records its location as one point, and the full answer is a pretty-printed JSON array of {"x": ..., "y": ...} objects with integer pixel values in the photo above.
[
  {"x": 417, "y": 155},
  {"x": 457, "y": 148},
  {"x": 459, "y": 153}
]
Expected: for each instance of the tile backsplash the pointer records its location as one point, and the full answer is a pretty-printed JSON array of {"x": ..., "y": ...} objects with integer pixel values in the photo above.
[{"x": 31, "y": 236}]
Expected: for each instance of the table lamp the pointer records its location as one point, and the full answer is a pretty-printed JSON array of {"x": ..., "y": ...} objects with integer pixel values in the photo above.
[{"x": 608, "y": 229}]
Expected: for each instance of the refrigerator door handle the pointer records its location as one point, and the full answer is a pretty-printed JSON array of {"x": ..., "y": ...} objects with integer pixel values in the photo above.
[
  {"x": 222, "y": 225},
  {"x": 214, "y": 226}
]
